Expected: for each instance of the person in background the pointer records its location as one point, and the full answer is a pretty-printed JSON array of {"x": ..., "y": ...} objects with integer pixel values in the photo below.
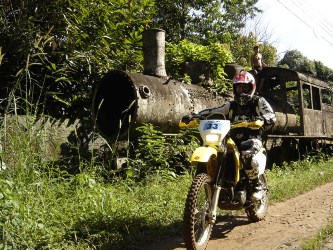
[{"x": 257, "y": 64}]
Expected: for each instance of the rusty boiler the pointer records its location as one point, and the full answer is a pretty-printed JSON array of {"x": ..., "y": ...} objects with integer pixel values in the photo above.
[{"x": 123, "y": 100}]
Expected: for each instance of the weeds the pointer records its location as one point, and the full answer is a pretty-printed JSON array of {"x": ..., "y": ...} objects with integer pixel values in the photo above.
[
  {"x": 154, "y": 152},
  {"x": 319, "y": 239},
  {"x": 298, "y": 177}
]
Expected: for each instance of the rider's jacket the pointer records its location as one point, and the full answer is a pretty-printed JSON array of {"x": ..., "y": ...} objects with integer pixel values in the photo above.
[{"x": 256, "y": 108}]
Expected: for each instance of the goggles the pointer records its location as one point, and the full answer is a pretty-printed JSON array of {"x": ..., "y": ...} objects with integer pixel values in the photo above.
[{"x": 242, "y": 88}]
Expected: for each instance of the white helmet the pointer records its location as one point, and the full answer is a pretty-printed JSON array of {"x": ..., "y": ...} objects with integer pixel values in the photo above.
[{"x": 244, "y": 86}]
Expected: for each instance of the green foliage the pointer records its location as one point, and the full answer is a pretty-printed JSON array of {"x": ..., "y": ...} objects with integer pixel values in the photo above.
[
  {"x": 269, "y": 54},
  {"x": 64, "y": 46},
  {"x": 242, "y": 50},
  {"x": 109, "y": 32},
  {"x": 214, "y": 56},
  {"x": 39, "y": 211},
  {"x": 153, "y": 152},
  {"x": 323, "y": 72},
  {"x": 203, "y": 22},
  {"x": 317, "y": 241},
  {"x": 294, "y": 60},
  {"x": 298, "y": 177}
]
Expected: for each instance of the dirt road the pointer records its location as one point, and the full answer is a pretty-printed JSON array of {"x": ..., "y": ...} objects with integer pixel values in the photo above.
[{"x": 286, "y": 225}]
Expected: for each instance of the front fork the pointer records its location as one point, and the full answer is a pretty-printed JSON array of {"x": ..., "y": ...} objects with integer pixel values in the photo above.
[
  {"x": 215, "y": 200},
  {"x": 217, "y": 186}
]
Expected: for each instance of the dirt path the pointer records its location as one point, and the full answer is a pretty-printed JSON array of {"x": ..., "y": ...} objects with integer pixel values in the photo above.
[{"x": 286, "y": 225}]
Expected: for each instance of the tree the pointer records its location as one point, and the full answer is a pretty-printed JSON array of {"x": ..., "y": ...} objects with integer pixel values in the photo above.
[
  {"x": 242, "y": 50},
  {"x": 55, "y": 51},
  {"x": 291, "y": 60},
  {"x": 295, "y": 60},
  {"x": 22, "y": 24},
  {"x": 269, "y": 53},
  {"x": 203, "y": 21},
  {"x": 323, "y": 72}
]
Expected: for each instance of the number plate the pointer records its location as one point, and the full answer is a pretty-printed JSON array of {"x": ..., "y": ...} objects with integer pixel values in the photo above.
[{"x": 213, "y": 125}]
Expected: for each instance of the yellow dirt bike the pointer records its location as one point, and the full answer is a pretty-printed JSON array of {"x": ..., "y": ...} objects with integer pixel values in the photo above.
[{"x": 220, "y": 180}]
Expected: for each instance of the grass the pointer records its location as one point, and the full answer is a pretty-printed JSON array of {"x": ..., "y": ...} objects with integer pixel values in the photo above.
[
  {"x": 298, "y": 177},
  {"x": 319, "y": 239},
  {"x": 39, "y": 211},
  {"x": 43, "y": 206},
  {"x": 46, "y": 209}
]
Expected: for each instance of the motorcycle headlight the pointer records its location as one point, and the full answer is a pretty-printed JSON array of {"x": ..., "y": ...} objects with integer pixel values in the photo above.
[{"x": 212, "y": 138}]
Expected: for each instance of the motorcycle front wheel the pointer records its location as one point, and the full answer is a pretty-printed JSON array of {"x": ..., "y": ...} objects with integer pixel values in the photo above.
[{"x": 197, "y": 222}]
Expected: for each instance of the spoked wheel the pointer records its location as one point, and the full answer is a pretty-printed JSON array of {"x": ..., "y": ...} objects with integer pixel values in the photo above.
[
  {"x": 197, "y": 222},
  {"x": 257, "y": 211}
]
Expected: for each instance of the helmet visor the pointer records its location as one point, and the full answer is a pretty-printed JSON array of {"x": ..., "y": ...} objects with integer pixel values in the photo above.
[{"x": 242, "y": 88}]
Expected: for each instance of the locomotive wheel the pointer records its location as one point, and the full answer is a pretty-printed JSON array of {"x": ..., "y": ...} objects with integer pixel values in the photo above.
[
  {"x": 257, "y": 211},
  {"x": 197, "y": 224}
]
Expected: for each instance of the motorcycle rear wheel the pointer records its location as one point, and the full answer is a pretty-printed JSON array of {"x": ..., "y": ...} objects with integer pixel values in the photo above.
[
  {"x": 197, "y": 224},
  {"x": 257, "y": 211}
]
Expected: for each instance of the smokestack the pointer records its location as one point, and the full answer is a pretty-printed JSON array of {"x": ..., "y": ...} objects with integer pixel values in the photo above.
[{"x": 154, "y": 52}]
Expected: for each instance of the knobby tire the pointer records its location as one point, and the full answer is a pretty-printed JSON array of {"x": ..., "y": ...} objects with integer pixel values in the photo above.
[{"x": 197, "y": 229}]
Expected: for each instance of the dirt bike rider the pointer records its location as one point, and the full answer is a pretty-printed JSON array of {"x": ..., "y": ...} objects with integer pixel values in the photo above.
[{"x": 247, "y": 106}]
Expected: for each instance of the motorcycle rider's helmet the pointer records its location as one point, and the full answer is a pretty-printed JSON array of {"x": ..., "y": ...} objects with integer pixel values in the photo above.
[{"x": 244, "y": 86}]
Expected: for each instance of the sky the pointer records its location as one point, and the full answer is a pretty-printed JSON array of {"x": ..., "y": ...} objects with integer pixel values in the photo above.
[{"x": 303, "y": 25}]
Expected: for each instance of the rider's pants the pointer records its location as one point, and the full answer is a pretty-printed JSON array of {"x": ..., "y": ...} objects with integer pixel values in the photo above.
[{"x": 254, "y": 157}]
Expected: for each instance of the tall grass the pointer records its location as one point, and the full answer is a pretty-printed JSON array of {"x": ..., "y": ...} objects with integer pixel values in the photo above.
[
  {"x": 297, "y": 177},
  {"x": 52, "y": 210},
  {"x": 44, "y": 206}
]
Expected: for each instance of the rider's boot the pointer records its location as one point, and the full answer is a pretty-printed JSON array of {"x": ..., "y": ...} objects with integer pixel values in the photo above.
[{"x": 257, "y": 190}]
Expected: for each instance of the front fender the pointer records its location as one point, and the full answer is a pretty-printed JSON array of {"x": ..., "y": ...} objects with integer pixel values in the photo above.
[{"x": 203, "y": 154}]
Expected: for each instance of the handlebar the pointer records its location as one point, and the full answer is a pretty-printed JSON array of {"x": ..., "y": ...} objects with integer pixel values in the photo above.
[
  {"x": 190, "y": 123},
  {"x": 256, "y": 124},
  {"x": 194, "y": 120}
]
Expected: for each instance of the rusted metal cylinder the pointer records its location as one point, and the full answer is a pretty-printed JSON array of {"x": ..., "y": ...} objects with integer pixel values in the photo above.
[
  {"x": 123, "y": 101},
  {"x": 286, "y": 119},
  {"x": 154, "y": 52},
  {"x": 285, "y": 123}
]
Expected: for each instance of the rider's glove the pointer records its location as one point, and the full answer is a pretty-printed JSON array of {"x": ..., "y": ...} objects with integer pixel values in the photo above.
[
  {"x": 186, "y": 119},
  {"x": 269, "y": 122},
  {"x": 256, "y": 118}
]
